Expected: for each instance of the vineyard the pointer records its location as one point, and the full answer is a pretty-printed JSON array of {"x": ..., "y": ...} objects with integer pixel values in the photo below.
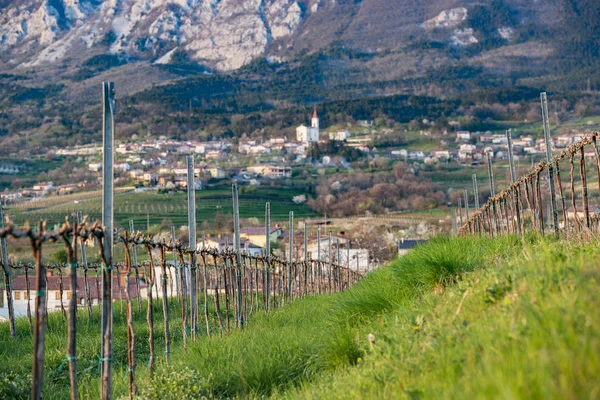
[
  {"x": 239, "y": 284},
  {"x": 153, "y": 208}
]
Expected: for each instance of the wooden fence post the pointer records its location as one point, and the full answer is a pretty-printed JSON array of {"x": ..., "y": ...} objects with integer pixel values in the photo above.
[{"x": 39, "y": 333}]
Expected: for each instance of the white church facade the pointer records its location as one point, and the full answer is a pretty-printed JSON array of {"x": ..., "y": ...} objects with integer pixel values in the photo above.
[{"x": 308, "y": 135}]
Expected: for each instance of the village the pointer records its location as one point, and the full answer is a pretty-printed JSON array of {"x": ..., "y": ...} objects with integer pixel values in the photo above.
[{"x": 159, "y": 163}]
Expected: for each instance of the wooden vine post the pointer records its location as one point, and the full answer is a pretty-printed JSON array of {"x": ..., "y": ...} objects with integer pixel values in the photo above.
[
  {"x": 130, "y": 331},
  {"x": 149, "y": 311},
  {"x": 39, "y": 329},
  {"x": 164, "y": 278}
]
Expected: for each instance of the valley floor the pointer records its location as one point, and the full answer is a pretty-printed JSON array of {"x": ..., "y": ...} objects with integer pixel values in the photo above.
[{"x": 457, "y": 318}]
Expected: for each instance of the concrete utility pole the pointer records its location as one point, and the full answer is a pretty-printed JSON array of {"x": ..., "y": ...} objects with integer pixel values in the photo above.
[
  {"x": 492, "y": 192},
  {"x": 476, "y": 191},
  {"x": 266, "y": 280},
  {"x": 191, "y": 270},
  {"x": 513, "y": 176},
  {"x": 175, "y": 263},
  {"x": 133, "y": 248},
  {"x": 466, "y": 193},
  {"x": 108, "y": 137},
  {"x": 238, "y": 250},
  {"x": 291, "y": 254},
  {"x": 544, "y": 101},
  {"x": 7, "y": 273}
]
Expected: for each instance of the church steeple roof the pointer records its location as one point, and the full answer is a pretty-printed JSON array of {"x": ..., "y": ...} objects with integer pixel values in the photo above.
[{"x": 315, "y": 113}]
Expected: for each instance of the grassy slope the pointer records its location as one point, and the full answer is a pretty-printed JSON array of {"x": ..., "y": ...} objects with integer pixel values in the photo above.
[{"x": 526, "y": 329}]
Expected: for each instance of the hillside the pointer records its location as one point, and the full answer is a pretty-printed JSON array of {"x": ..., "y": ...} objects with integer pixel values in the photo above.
[
  {"x": 456, "y": 318},
  {"x": 200, "y": 67}
]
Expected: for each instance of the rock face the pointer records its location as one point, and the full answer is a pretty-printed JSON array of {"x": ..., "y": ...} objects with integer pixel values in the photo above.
[{"x": 225, "y": 34}]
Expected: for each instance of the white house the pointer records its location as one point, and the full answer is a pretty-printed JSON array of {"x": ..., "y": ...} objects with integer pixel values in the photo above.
[
  {"x": 271, "y": 171},
  {"x": 465, "y": 151},
  {"x": 53, "y": 294},
  {"x": 222, "y": 243},
  {"x": 463, "y": 135},
  {"x": 95, "y": 166},
  {"x": 216, "y": 172},
  {"x": 123, "y": 167},
  {"x": 339, "y": 135}
]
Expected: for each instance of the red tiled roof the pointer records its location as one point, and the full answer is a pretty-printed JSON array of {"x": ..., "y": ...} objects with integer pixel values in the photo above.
[
  {"x": 53, "y": 284},
  {"x": 257, "y": 231}
]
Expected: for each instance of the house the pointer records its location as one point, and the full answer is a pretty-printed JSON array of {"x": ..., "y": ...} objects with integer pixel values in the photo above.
[
  {"x": 358, "y": 261},
  {"x": 123, "y": 167},
  {"x": 258, "y": 235},
  {"x": 20, "y": 295},
  {"x": 524, "y": 141},
  {"x": 563, "y": 141},
  {"x": 440, "y": 154},
  {"x": 215, "y": 154},
  {"x": 464, "y": 136},
  {"x": 216, "y": 172},
  {"x": 339, "y": 135},
  {"x": 185, "y": 149},
  {"x": 271, "y": 171},
  {"x": 136, "y": 173},
  {"x": 313, "y": 247},
  {"x": 416, "y": 155},
  {"x": 258, "y": 149},
  {"x": 499, "y": 139},
  {"x": 406, "y": 245},
  {"x": 45, "y": 186},
  {"x": 150, "y": 177},
  {"x": 95, "y": 166},
  {"x": 223, "y": 242},
  {"x": 66, "y": 189},
  {"x": 465, "y": 151}
]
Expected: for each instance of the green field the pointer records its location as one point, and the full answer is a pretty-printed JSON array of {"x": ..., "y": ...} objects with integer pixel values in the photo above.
[
  {"x": 509, "y": 318},
  {"x": 139, "y": 207}
]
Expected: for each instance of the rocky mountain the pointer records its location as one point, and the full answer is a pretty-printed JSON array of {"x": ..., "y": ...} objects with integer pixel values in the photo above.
[
  {"x": 234, "y": 57},
  {"x": 223, "y": 33},
  {"x": 227, "y": 34}
]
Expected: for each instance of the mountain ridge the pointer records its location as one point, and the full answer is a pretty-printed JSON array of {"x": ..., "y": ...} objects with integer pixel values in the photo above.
[{"x": 249, "y": 57}]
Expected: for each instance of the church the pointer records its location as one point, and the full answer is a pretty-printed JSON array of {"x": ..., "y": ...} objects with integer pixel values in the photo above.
[{"x": 308, "y": 135}]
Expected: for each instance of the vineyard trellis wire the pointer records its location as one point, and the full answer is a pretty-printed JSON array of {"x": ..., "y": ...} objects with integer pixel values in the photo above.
[
  {"x": 240, "y": 285},
  {"x": 520, "y": 207}
]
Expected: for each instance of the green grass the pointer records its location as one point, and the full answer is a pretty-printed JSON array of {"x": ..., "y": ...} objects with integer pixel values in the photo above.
[
  {"x": 209, "y": 205},
  {"x": 455, "y": 318},
  {"x": 523, "y": 328}
]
